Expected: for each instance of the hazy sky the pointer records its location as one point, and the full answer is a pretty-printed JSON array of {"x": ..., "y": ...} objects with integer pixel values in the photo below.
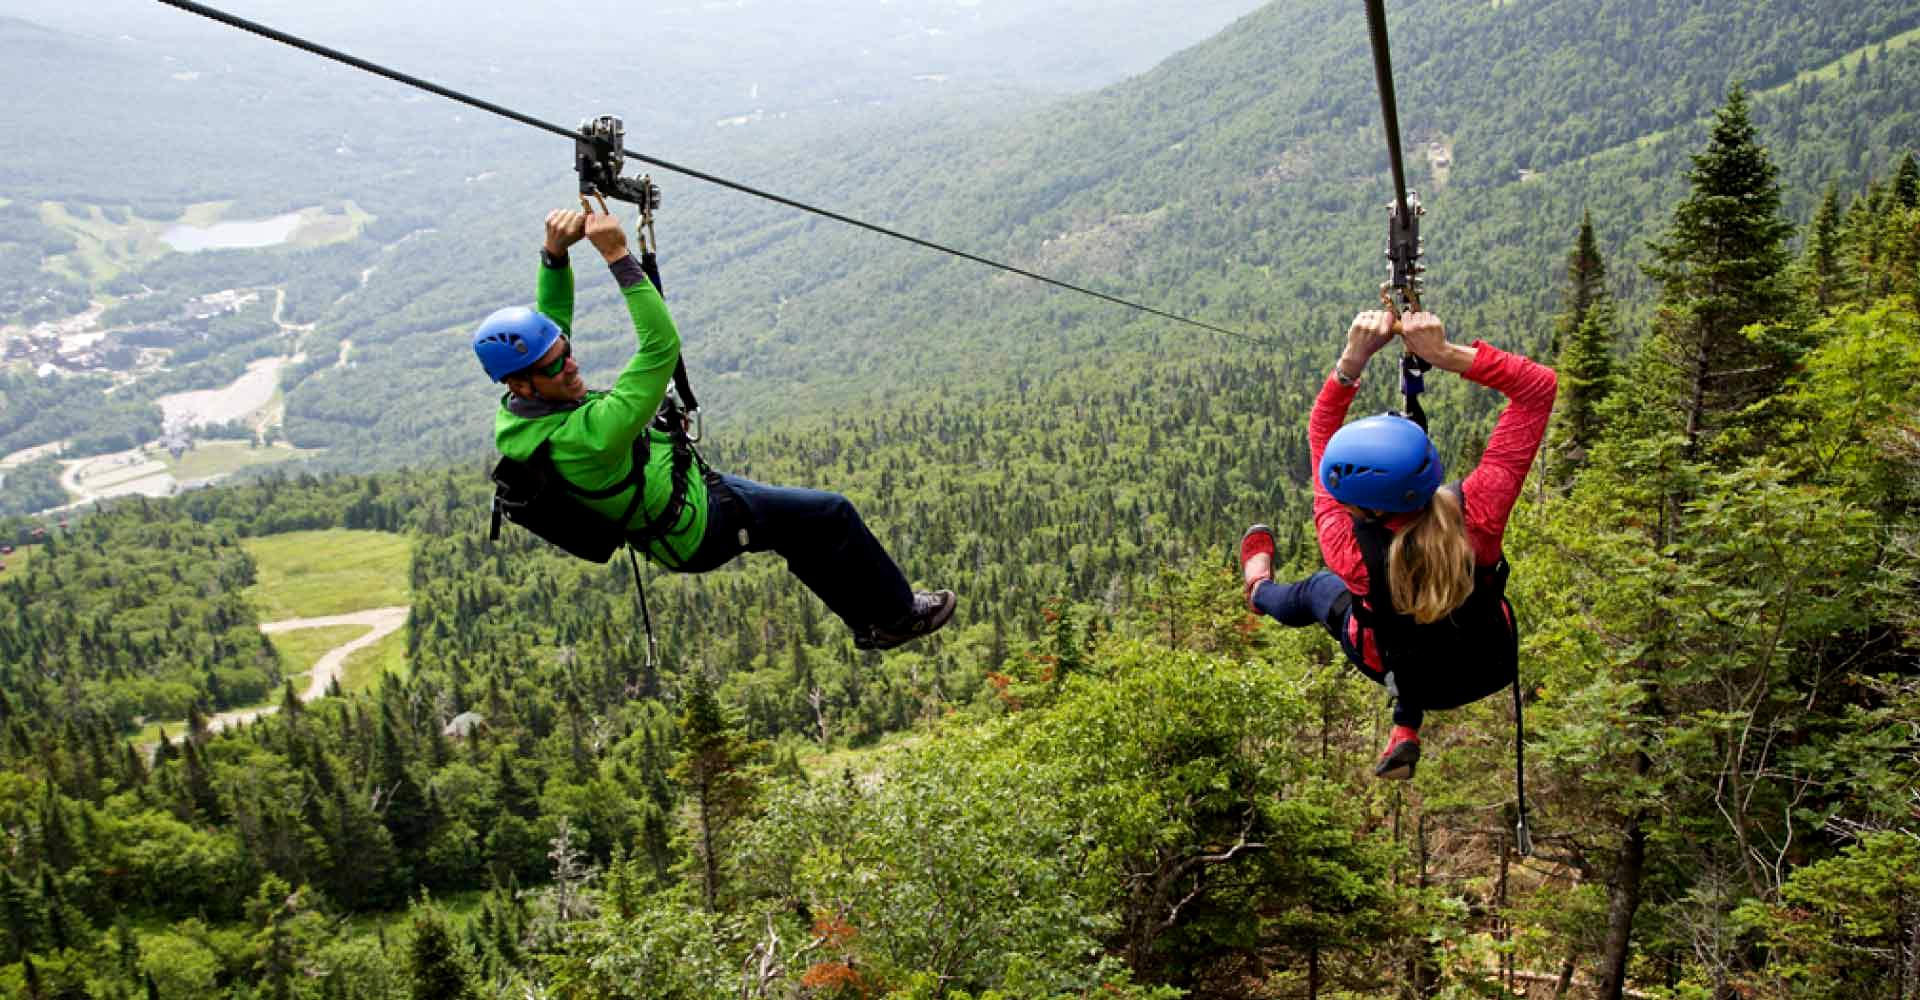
[
  {"x": 1044, "y": 44},
  {"x": 687, "y": 77}
]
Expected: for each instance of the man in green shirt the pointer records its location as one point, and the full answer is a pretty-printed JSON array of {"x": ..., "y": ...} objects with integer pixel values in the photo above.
[{"x": 596, "y": 437}]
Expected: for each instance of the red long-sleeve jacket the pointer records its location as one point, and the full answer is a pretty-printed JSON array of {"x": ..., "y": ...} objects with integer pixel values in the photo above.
[{"x": 1491, "y": 488}]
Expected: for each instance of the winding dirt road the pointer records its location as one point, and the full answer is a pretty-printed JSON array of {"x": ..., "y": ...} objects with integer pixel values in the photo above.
[{"x": 380, "y": 622}]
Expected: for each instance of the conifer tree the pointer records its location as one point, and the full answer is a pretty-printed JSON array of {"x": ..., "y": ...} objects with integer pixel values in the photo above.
[
  {"x": 60, "y": 933},
  {"x": 1716, "y": 349},
  {"x": 57, "y": 847},
  {"x": 290, "y": 706},
  {"x": 364, "y": 869},
  {"x": 201, "y": 797},
  {"x": 1906, "y": 183},
  {"x": 713, "y": 770},
  {"x": 1585, "y": 334},
  {"x": 272, "y": 902},
  {"x": 509, "y": 791},
  {"x": 402, "y": 805},
  {"x": 581, "y": 760},
  {"x": 19, "y": 917},
  {"x": 1720, "y": 267},
  {"x": 1586, "y": 284},
  {"x": 433, "y": 966},
  {"x": 1820, "y": 270}
]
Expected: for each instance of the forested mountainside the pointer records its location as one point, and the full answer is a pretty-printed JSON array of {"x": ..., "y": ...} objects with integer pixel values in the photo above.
[
  {"x": 139, "y": 616},
  {"x": 136, "y": 78},
  {"x": 297, "y": 135},
  {"x": 1107, "y": 779},
  {"x": 1242, "y": 181}
]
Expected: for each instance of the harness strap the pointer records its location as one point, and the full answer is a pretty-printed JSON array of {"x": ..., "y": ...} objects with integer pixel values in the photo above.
[
  {"x": 650, "y": 266},
  {"x": 646, "y": 619},
  {"x": 656, "y": 529},
  {"x": 1522, "y": 837},
  {"x": 1413, "y": 382}
]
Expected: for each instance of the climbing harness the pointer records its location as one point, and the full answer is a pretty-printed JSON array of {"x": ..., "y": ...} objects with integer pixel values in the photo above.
[
  {"x": 254, "y": 27},
  {"x": 1522, "y": 837},
  {"x": 534, "y": 494},
  {"x": 1401, "y": 293}
]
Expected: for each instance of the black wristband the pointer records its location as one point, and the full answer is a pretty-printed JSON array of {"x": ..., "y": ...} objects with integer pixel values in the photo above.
[
  {"x": 627, "y": 271},
  {"x": 557, "y": 263}
]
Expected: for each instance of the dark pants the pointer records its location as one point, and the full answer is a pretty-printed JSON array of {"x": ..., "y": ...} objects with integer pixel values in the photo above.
[
  {"x": 822, "y": 538},
  {"x": 1322, "y": 599}
]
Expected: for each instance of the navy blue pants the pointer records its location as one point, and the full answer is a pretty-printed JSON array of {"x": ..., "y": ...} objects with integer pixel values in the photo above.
[
  {"x": 1322, "y": 599},
  {"x": 821, "y": 536}
]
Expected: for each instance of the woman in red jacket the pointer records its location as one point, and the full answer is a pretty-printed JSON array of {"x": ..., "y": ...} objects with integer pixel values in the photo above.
[{"x": 1416, "y": 592}]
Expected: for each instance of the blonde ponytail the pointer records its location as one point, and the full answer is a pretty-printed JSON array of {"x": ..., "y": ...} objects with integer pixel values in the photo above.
[{"x": 1430, "y": 566}]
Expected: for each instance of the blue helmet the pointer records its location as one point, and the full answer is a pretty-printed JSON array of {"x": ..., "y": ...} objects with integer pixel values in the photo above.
[
  {"x": 1382, "y": 463},
  {"x": 511, "y": 339}
]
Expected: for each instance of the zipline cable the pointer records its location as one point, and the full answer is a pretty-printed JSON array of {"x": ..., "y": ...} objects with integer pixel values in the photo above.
[
  {"x": 336, "y": 55},
  {"x": 1404, "y": 249},
  {"x": 1403, "y": 221},
  {"x": 1383, "y": 73}
]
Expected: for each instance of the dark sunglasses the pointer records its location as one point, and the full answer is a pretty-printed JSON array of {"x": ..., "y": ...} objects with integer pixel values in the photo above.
[{"x": 559, "y": 364}]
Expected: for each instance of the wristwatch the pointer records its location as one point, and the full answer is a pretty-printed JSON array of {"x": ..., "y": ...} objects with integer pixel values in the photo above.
[{"x": 1341, "y": 377}]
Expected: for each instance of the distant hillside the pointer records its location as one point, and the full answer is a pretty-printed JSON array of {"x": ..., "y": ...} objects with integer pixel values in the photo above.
[
  {"x": 1242, "y": 181},
  {"x": 296, "y": 127}
]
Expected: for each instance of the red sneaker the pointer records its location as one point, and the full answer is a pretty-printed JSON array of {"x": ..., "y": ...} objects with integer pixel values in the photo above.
[
  {"x": 1256, "y": 557},
  {"x": 1402, "y": 753}
]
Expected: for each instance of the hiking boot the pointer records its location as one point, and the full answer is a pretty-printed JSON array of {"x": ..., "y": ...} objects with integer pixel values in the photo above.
[
  {"x": 930, "y": 612},
  {"x": 1402, "y": 753},
  {"x": 1256, "y": 558}
]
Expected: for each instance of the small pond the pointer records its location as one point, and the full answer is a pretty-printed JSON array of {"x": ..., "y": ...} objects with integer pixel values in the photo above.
[{"x": 232, "y": 235}]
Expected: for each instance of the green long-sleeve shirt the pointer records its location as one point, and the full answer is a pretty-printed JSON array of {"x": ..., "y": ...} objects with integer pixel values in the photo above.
[{"x": 591, "y": 442}]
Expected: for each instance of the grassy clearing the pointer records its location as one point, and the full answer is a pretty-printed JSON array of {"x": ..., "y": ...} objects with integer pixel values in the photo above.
[
  {"x": 364, "y": 668},
  {"x": 461, "y": 908},
  {"x": 105, "y": 248},
  {"x": 319, "y": 227},
  {"x": 302, "y": 648},
  {"x": 16, "y": 563},
  {"x": 149, "y": 734},
  {"x": 1830, "y": 71},
  {"x": 1851, "y": 60},
  {"x": 311, "y": 574},
  {"x": 865, "y": 760},
  {"x": 218, "y": 458},
  {"x": 205, "y": 213},
  {"x": 108, "y": 248},
  {"x": 307, "y": 574}
]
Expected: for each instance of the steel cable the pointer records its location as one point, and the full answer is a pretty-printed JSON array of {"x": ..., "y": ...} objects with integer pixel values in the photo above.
[{"x": 336, "y": 55}]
